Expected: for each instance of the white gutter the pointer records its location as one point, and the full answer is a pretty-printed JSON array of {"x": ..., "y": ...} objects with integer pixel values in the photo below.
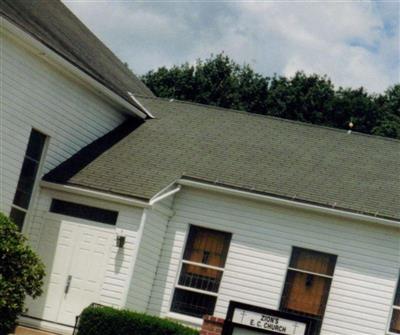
[
  {"x": 137, "y": 102},
  {"x": 163, "y": 196},
  {"x": 289, "y": 203},
  {"x": 95, "y": 194},
  {"x": 55, "y": 59}
]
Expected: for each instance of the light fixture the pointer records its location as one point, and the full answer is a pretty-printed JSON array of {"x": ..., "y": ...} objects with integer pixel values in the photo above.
[{"x": 120, "y": 241}]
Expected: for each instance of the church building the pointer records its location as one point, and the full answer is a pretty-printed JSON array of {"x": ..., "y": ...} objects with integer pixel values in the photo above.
[{"x": 243, "y": 223}]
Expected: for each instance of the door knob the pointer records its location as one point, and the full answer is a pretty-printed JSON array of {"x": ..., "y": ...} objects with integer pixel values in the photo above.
[{"x": 69, "y": 278}]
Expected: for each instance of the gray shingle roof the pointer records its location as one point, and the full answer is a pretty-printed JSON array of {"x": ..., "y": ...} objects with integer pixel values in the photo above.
[
  {"x": 284, "y": 158},
  {"x": 54, "y": 25}
]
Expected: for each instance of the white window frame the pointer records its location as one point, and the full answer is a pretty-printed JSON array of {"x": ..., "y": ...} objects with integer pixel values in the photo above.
[
  {"x": 182, "y": 316},
  {"x": 393, "y": 306}
]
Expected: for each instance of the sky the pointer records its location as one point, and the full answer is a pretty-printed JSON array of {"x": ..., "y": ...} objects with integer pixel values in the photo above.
[{"x": 355, "y": 43}]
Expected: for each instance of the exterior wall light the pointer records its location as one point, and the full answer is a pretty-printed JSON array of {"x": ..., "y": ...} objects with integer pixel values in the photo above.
[{"x": 120, "y": 241}]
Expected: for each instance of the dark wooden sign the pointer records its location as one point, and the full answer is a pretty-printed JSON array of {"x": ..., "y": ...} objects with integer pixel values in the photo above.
[{"x": 245, "y": 319}]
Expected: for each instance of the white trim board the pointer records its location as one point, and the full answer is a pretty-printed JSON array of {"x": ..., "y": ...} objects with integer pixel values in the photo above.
[
  {"x": 288, "y": 203},
  {"x": 95, "y": 194},
  {"x": 224, "y": 190}
]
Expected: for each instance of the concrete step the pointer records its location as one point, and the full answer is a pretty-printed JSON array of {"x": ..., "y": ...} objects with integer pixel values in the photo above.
[{"x": 30, "y": 331}]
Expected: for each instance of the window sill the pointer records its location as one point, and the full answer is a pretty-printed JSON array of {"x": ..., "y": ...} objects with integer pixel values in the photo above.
[{"x": 188, "y": 320}]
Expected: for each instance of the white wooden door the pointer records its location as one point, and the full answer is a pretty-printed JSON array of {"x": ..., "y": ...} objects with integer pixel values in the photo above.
[
  {"x": 74, "y": 250},
  {"x": 86, "y": 270}
]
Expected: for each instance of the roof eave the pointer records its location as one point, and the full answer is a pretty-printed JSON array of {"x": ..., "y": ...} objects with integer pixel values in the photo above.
[
  {"x": 50, "y": 55},
  {"x": 132, "y": 201},
  {"x": 96, "y": 194},
  {"x": 288, "y": 203}
]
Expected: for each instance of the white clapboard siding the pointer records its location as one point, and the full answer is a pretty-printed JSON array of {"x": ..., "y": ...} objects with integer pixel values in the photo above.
[
  {"x": 35, "y": 94},
  {"x": 117, "y": 274},
  {"x": 147, "y": 258},
  {"x": 263, "y": 235}
]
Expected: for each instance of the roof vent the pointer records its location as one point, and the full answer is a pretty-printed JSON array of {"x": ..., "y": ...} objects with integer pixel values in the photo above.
[{"x": 351, "y": 125}]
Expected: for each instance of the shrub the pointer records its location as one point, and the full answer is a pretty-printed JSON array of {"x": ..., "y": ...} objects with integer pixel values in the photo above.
[
  {"x": 110, "y": 321},
  {"x": 21, "y": 273}
]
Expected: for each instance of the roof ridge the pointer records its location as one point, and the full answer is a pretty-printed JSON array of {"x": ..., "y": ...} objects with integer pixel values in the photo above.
[{"x": 231, "y": 110}]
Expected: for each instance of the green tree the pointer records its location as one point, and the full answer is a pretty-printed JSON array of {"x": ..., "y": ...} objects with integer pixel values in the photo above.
[
  {"x": 357, "y": 106},
  {"x": 21, "y": 273},
  {"x": 219, "y": 81},
  {"x": 304, "y": 98},
  {"x": 252, "y": 91},
  {"x": 389, "y": 106}
]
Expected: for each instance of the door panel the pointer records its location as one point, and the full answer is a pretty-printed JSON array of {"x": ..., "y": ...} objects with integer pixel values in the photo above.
[
  {"x": 87, "y": 271},
  {"x": 55, "y": 249}
]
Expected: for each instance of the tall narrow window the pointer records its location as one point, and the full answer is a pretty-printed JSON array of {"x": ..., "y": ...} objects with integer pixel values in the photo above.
[
  {"x": 202, "y": 268},
  {"x": 27, "y": 177},
  {"x": 394, "y": 326},
  {"x": 308, "y": 282}
]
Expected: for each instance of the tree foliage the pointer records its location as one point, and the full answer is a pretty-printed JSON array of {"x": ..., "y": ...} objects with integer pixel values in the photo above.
[
  {"x": 312, "y": 98},
  {"x": 21, "y": 273}
]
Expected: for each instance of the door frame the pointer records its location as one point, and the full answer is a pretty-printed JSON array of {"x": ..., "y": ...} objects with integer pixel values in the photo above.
[{"x": 74, "y": 221}]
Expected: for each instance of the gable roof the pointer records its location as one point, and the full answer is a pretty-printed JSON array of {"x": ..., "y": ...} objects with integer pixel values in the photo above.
[
  {"x": 52, "y": 23},
  {"x": 87, "y": 154},
  {"x": 287, "y": 159}
]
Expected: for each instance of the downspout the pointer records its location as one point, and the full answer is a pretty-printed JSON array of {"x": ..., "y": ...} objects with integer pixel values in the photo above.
[
  {"x": 168, "y": 218},
  {"x": 139, "y": 239},
  {"x": 137, "y": 102},
  {"x": 165, "y": 195}
]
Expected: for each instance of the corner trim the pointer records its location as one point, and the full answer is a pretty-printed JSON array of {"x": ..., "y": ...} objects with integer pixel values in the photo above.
[{"x": 131, "y": 270}]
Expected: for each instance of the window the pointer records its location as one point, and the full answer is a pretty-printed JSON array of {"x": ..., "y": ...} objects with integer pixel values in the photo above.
[
  {"x": 201, "y": 273},
  {"x": 27, "y": 177},
  {"x": 308, "y": 282},
  {"x": 394, "y": 326},
  {"x": 84, "y": 212}
]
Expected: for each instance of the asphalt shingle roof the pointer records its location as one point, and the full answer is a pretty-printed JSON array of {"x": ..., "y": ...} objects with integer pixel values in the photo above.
[
  {"x": 287, "y": 159},
  {"x": 57, "y": 27}
]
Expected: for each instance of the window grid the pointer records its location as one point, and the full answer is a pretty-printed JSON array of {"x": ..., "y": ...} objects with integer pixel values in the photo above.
[
  {"x": 200, "y": 280},
  {"x": 197, "y": 285},
  {"x": 310, "y": 272},
  {"x": 191, "y": 289},
  {"x": 193, "y": 303},
  {"x": 308, "y": 283},
  {"x": 184, "y": 261}
]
